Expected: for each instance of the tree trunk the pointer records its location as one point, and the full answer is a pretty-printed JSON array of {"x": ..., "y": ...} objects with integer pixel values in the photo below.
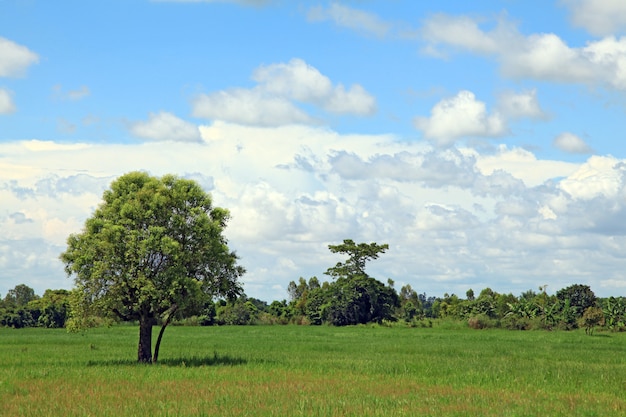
[
  {"x": 170, "y": 314},
  {"x": 144, "y": 352}
]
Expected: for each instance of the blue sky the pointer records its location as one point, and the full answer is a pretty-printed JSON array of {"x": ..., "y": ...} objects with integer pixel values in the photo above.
[{"x": 483, "y": 141}]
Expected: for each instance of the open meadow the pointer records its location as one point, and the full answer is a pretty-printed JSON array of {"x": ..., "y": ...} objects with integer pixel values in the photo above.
[{"x": 313, "y": 371}]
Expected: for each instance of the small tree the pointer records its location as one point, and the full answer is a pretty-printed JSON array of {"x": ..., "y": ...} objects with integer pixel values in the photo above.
[
  {"x": 592, "y": 317},
  {"x": 153, "y": 250}
]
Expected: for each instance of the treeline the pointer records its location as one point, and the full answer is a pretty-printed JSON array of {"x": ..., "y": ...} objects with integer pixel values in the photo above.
[
  {"x": 21, "y": 307},
  {"x": 360, "y": 300}
]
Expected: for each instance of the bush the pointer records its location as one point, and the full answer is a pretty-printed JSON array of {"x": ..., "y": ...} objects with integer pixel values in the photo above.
[
  {"x": 481, "y": 321},
  {"x": 512, "y": 322}
]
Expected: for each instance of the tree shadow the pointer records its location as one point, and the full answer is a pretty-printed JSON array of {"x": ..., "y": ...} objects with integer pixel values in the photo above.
[
  {"x": 183, "y": 362},
  {"x": 195, "y": 361}
]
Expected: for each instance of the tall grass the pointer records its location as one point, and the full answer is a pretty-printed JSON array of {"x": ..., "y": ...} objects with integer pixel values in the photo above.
[{"x": 313, "y": 371}]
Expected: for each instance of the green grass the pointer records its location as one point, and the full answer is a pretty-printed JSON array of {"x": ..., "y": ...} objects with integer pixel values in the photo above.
[{"x": 313, "y": 371}]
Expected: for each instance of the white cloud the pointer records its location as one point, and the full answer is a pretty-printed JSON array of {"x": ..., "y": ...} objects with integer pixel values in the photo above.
[
  {"x": 517, "y": 105},
  {"x": 569, "y": 142},
  {"x": 248, "y": 107},
  {"x": 460, "y": 116},
  {"x": 14, "y": 58},
  {"x": 164, "y": 126},
  {"x": 599, "y": 176},
  {"x": 6, "y": 102},
  {"x": 522, "y": 164},
  {"x": 542, "y": 56},
  {"x": 295, "y": 189},
  {"x": 272, "y": 102},
  {"x": 348, "y": 17},
  {"x": 599, "y": 17},
  {"x": 294, "y": 80},
  {"x": 461, "y": 32}
]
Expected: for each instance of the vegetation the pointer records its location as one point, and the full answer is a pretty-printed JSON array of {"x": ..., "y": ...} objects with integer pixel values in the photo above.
[
  {"x": 372, "y": 370},
  {"x": 153, "y": 250}
]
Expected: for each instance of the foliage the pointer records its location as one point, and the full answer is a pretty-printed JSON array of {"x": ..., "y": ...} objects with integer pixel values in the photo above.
[
  {"x": 53, "y": 308},
  {"x": 580, "y": 298},
  {"x": 358, "y": 255},
  {"x": 482, "y": 321},
  {"x": 19, "y": 296},
  {"x": 353, "y": 300},
  {"x": 153, "y": 250},
  {"x": 592, "y": 317}
]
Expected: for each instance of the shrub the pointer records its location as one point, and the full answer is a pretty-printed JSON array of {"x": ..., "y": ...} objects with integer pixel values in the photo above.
[
  {"x": 481, "y": 321},
  {"x": 512, "y": 322}
]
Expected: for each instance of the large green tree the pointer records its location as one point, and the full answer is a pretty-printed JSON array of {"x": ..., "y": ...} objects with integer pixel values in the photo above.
[{"x": 153, "y": 250}]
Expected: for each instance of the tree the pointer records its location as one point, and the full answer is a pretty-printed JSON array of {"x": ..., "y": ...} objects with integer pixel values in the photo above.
[
  {"x": 53, "y": 308},
  {"x": 152, "y": 251},
  {"x": 19, "y": 296},
  {"x": 580, "y": 298},
  {"x": 614, "y": 310},
  {"x": 357, "y": 256},
  {"x": 592, "y": 317},
  {"x": 354, "y": 297}
]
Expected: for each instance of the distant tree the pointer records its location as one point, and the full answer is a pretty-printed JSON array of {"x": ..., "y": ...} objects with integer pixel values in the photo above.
[
  {"x": 410, "y": 304},
  {"x": 299, "y": 294},
  {"x": 54, "y": 308},
  {"x": 153, "y": 251},
  {"x": 592, "y": 317},
  {"x": 358, "y": 255},
  {"x": 614, "y": 310},
  {"x": 19, "y": 296},
  {"x": 580, "y": 298},
  {"x": 353, "y": 297},
  {"x": 237, "y": 312}
]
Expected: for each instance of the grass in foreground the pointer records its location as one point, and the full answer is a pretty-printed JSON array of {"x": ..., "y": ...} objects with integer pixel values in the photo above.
[{"x": 313, "y": 371}]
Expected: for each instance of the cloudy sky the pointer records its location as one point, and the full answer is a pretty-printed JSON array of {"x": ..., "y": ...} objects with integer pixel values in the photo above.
[{"x": 483, "y": 141}]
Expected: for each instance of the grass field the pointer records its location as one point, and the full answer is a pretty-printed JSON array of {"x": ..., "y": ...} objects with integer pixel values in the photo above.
[{"x": 313, "y": 371}]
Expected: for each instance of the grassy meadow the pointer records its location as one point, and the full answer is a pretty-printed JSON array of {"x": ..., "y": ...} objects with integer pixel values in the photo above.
[{"x": 313, "y": 371}]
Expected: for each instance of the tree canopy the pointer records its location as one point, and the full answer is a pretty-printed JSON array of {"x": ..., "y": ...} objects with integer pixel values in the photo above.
[
  {"x": 153, "y": 250},
  {"x": 358, "y": 255}
]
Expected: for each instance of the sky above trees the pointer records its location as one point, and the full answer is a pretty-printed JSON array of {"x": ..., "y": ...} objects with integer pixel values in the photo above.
[{"x": 481, "y": 140}]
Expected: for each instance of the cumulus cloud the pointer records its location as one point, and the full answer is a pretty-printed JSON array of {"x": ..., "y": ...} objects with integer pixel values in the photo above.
[
  {"x": 602, "y": 17},
  {"x": 460, "y": 116},
  {"x": 569, "y": 142},
  {"x": 517, "y": 105},
  {"x": 598, "y": 176},
  {"x": 543, "y": 56},
  {"x": 164, "y": 126},
  {"x": 348, "y": 17},
  {"x": 6, "y": 102},
  {"x": 15, "y": 58},
  {"x": 463, "y": 33},
  {"x": 273, "y": 101},
  {"x": 473, "y": 217},
  {"x": 248, "y": 107}
]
